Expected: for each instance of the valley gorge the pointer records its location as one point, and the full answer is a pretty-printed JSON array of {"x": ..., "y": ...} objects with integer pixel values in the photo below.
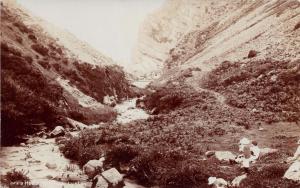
[{"x": 208, "y": 78}]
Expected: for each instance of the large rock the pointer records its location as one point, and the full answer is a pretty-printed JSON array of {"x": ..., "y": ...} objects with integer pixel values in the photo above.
[
  {"x": 76, "y": 124},
  {"x": 225, "y": 155},
  {"x": 243, "y": 143},
  {"x": 112, "y": 176},
  {"x": 293, "y": 173},
  {"x": 217, "y": 182},
  {"x": 70, "y": 177},
  {"x": 109, "y": 100},
  {"x": 267, "y": 151},
  {"x": 237, "y": 180},
  {"x": 51, "y": 165},
  {"x": 100, "y": 182},
  {"x": 209, "y": 153},
  {"x": 93, "y": 167},
  {"x": 57, "y": 131}
]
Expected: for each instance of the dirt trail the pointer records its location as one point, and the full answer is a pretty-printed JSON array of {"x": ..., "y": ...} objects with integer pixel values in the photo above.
[{"x": 194, "y": 83}]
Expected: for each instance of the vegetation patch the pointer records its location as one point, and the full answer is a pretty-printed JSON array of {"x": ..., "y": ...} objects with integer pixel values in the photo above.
[
  {"x": 27, "y": 96},
  {"x": 270, "y": 89}
]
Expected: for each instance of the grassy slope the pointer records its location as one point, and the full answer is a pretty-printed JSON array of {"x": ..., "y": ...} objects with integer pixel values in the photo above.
[
  {"x": 271, "y": 88},
  {"x": 30, "y": 95}
]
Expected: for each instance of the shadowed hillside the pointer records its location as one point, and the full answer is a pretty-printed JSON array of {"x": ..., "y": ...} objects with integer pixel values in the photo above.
[{"x": 33, "y": 69}]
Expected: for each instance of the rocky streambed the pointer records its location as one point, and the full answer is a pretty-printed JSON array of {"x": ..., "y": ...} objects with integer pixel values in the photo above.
[{"x": 46, "y": 167}]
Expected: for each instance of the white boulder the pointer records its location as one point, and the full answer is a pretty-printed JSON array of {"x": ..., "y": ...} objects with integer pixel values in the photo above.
[
  {"x": 209, "y": 153},
  {"x": 69, "y": 177},
  {"x": 217, "y": 182},
  {"x": 225, "y": 155},
  {"x": 244, "y": 142},
  {"x": 93, "y": 167},
  {"x": 76, "y": 124},
  {"x": 266, "y": 151},
  {"x": 255, "y": 152},
  {"x": 296, "y": 154},
  {"x": 57, "y": 131},
  {"x": 293, "y": 173},
  {"x": 109, "y": 100},
  {"x": 112, "y": 176},
  {"x": 101, "y": 182},
  {"x": 237, "y": 180},
  {"x": 51, "y": 165},
  {"x": 250, "y": 152}
]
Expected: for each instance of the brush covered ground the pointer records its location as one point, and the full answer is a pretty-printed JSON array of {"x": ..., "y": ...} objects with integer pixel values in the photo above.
[
  {"x": 168, "y": 149},
  {"x": 31, "y": 96}
]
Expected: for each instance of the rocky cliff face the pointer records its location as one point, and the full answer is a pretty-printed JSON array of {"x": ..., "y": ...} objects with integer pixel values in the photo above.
[
  {"x": 161, "y": 31},
  {"x": 201, "y": 33},
  {"x": 44, "y": 79}
]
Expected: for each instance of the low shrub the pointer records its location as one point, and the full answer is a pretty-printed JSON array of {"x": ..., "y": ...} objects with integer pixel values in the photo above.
[
  {"x": 45, "y": 64},
  {"x": 57, "y": 67},
  {"x": 32, "y": 38},
  {"x": 77, "y": 115},
  {"x": 252, "y": 53},
  {"x": 269, "y": 176},
  {"x": 94, "y": 79},
  {"x": 22, "y": 27},
  {"x": 297, "y": 26},
  {"x": 14, "y": 176},
  {"x": 82, "y": 148},
  {"x": 121, "y": 154},
  {"x": 19, "y": 39},
  {"x": 268, "y": 86},
  {"x": 164, "y": 100},
  {"x": 40, "y": 49}
]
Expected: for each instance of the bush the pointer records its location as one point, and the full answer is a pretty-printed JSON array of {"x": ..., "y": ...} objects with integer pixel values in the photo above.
[
  {"x": 23, "y": 28},
  {"x": 164, "y": 100},
  {"x": 15, "y": 176},
  {"x": 40, "y": 49},
  {"x": 82, "y": 148},
  {"x": 121, "y": 154},
  {"x": 19, "y": 39},
  {"x": 57, "y": 67},
  {"x": 76, "y": 115},
  {"x": 32, "y": 38},
  {"x": 45, "y": 64},
  {"x": 252, "y": 53},
  {"x": 297, "y": 26}
]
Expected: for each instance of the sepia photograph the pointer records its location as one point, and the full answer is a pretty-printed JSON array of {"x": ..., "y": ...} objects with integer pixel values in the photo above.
[{"x": 150, "y": 94}]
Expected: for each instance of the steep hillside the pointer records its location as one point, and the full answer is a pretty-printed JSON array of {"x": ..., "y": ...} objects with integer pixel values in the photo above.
[
  {"x": 265, "y": 26},
  {"x": 43, "y": 82},
  {"x": 203, "y": 33}
]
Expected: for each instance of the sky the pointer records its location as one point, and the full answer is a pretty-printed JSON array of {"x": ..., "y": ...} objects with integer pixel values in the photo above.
[{"x": 110, "y": 26}]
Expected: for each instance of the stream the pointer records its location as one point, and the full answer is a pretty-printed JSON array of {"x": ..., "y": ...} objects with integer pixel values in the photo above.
[{"x": 38, "y": 152}]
